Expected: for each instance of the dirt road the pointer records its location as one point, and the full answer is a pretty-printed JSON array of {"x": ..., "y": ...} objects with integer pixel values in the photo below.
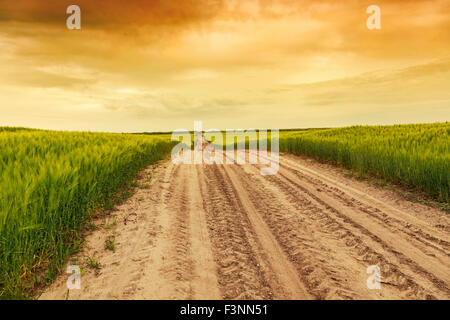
[{"x": 226, "y": 232}]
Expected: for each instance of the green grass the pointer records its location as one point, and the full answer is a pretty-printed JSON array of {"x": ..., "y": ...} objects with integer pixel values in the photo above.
[
  {"x": 92, "y": 263},
  {"x": 416, "y": 155},
  {"x": 110, "y": 243},
  {"x": 50, "y": 185}
]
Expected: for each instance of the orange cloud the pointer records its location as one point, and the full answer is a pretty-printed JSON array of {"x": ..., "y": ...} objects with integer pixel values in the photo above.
[{"x": 171, "y": 60}]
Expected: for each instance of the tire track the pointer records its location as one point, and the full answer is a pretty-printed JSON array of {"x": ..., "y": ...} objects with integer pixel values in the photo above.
[
  {"x": 289, "y": 283},
  {"x": 179, "y": 269},
  {"x": 240, "y": 273},
  {"x": 342, "y": 218},
  {"x": 364, "y": 246},
  {"x": 415, "y": 229},
  {"x": 317, "y": 263},
  {"x": 204, "y": 281}
]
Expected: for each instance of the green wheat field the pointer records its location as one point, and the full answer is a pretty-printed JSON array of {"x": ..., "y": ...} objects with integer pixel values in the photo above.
[{"x": 53, "y": 182}]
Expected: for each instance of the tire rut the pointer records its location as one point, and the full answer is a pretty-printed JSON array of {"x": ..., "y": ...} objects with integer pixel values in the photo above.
[
  {"x": 240, "y": 274},
  {"x": 414, "y": 233},
  {"x": 364, "y": 242}
]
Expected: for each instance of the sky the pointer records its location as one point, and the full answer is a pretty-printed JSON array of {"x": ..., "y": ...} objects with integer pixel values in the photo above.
[{"x": 158, "y": 65}]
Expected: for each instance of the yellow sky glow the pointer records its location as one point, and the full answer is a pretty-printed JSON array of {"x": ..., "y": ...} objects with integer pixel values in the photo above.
[{"x": 159, "y": 65}]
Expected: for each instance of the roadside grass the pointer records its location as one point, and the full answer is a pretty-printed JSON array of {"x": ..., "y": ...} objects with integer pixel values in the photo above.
[
  {"x": 415, "y": 156},
  {"x": 110, "y": 243},
  {"x": 92, "y": 263},
  {"x": 51, "y": 185}
]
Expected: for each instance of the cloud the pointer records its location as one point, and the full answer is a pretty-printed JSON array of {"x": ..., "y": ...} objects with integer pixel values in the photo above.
[
  {"x": 40, "y": 79},
  {"x": 383, "y": 89},
  {"x": 112, "y": 12},
  {"x": 257, "y": 62}
]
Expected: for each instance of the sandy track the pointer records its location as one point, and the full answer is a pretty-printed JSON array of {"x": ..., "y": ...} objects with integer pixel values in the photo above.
[{"x": 226, "y": 232}]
